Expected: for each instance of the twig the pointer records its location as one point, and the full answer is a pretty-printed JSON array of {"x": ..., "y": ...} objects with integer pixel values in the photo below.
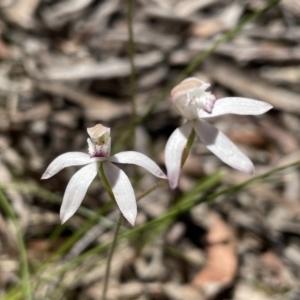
[{"x": 111, "y": 252}]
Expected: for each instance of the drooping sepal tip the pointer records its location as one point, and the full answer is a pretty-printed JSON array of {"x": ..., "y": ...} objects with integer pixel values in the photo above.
[
  {"x": 130, "y": 217},
  {"x": 174, "y": 151},
  {"x": 46, "y": 175}
]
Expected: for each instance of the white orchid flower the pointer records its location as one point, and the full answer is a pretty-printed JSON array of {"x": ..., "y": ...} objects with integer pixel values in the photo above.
[
  {"x": 193, "y": 102},
  {"x": 99, "y": 151}
]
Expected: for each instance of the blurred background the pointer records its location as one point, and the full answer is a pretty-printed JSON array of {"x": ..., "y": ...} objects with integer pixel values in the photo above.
[{"x": 64, "y": 66}]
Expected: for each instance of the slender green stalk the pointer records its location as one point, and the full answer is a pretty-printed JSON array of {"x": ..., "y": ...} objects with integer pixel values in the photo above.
[
  {"x": 131, "y": 51},
  {"x": 203, "y": 185},
  {"x": 106, "y": 183},
  {"x": 185, "y": 203},
  {"x": 110, "y": 256},
  {"x": 187, "y": 148},
  {"x": 200, "y": 58},
  {"x": 189, "y": 200},
  {"x": 184, "y": 157},
  {"x": 22, "y": 249},
  {"x": 153, "y": 188},
  {"x": 195, "y": 63},
  {"x": 114, "y": 242}
]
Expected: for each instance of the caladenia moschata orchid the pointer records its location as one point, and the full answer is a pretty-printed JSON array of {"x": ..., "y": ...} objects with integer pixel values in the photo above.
[
  {"x": 191, "y": 100},
  {"x": 98, "y": 157}
]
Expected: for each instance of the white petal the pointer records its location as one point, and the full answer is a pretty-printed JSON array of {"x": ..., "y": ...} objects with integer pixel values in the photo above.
[
  {"x": 222, "y": 147},
  {"x": 66, "y": 160},
  {"x": 136, "y": 158},
  {"x": 122, "y": 190},
  {"x": 76, "y": 190},
  {"x": 173, "y": 152},
  {"x": 236, "y": 105}
]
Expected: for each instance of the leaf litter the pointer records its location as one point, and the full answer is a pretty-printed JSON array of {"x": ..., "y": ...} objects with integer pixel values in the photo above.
[{"x": 64, "y": 67}]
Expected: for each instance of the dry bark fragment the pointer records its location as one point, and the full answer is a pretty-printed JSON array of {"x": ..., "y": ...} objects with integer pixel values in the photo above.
[
  {"x": 246, "y": 292},
  {"x": 179, "y": 292},
  {"x": 223, "y": 21},
  {"x": 21, "y": 12},
  {"x": 222, "y": 261},
  {"x": 114, "y": 68}
]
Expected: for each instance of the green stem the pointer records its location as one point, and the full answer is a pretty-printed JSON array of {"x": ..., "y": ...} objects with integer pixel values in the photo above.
[
  {"x": 189, "y": 201},
  {"x": 131, "y": 50},
  {"x": 110, "y": 256},
  {"x": 22, "y": 249},
  {"x": 114, "y": 242},
  {"x": 106, "y": 183},
  {"x": 201, "y": 57},
  {"x": 187, "y": 148},
  {"x": 157, "y": 185},
  {"x": 194, "y": 64}
]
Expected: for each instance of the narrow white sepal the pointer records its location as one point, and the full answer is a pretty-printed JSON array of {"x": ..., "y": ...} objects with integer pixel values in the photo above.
[
  {"x": 136, "y": 158},
  {"x": 76, "y": 190},
  {"x": 66, "y": 160},
  {"x": 222, "y": 147},
  {"x": 173, "y": 152},
  {"x": 236, "y": 105},
  {"x": 122, "y": 190}
]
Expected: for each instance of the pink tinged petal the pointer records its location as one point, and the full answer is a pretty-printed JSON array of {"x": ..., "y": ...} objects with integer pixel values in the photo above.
[
  {"x": 66, "y": 160},
  {"x": 96, "y": 150},
  {"x": 173, "y": 152},
  {"x": 136, "y": 158},
  {"x": 99, "y": 133},
  {"x": 122, "y": 190},
  {"x": 222, "y": 147},
  {"x": 76, "y": 190},
  {"x": 188, "y": 85},
  {"x": 236, "y": 105}
]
